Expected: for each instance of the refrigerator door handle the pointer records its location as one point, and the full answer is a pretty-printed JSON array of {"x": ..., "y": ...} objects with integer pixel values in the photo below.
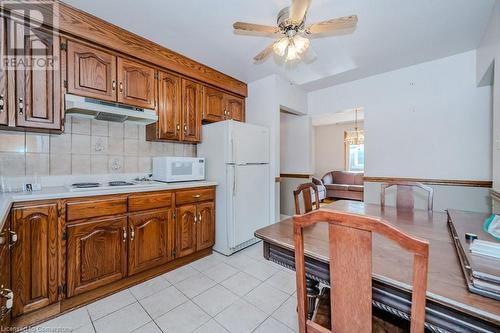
[
  {"x": 232, "y": 150},
  {"x": 234, "y": 182}
]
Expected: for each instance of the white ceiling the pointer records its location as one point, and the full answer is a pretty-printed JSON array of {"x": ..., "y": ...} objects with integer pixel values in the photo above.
[{"x": 391, "y": 34}]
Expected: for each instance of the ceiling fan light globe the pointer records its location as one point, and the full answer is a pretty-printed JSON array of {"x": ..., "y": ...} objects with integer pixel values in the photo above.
[{"x": 281, "y": 46}]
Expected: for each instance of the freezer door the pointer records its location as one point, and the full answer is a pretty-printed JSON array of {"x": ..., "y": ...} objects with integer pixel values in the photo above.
[
  {"x": 248, "y": 144},
  {"x": 248, "y": 189}
]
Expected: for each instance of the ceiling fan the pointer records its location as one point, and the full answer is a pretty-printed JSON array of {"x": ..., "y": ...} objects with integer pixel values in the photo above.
[{"x": 292, "y": 33}]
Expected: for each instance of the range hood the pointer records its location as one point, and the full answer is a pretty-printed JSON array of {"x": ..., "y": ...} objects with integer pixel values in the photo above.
[{"x": 100, "y": 110}]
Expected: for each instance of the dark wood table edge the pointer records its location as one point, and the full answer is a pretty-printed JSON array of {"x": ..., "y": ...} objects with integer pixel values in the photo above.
[{"x": 389, "y": 296}]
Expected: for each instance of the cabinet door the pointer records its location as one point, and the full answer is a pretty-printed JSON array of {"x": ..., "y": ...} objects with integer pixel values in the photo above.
[
  {"x": 213, "y": 105},
  {"x": 34, "y": 257},
  {"x": 37, "y": 78},
  {"x": 91, "y": 72},
  {"x": 169, "y": 107},
  {"x": 96, "y": 254},
  {"x": 191, "y": 111},
  {"x": 235, "y": 107},
  {"x": 205, "y": 227},
  {"x": 150, "y": 240},
  {"x": 186, "y": 230},
  {"x": 136, "y": 84},
  {"x": 4, "y": 273},
  {"x": 4, "y": 118}
]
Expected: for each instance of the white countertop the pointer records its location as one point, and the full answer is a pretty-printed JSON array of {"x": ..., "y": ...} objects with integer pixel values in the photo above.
[{"x": 62, "y": 192}]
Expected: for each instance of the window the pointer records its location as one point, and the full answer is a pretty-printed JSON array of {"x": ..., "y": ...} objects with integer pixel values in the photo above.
[{"x": 355, "y": 157}]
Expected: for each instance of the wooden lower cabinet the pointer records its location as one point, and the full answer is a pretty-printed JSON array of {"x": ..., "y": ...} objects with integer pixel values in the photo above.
[
  {"x": 34, "y": 257},
  {"x": 205, "y": 226},
  {"x": 196, "y": 227},
  {"x": 186, "y": 230},
  {"x": 72, "y": 251},
  {"x": 96, "y": 254},
  {"x": 5, "y": 275},
  {"x": 151, "y": 240}
]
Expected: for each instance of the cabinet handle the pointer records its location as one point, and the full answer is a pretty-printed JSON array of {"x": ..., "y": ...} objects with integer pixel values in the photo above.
[
  {"x": 113, "y": 85},
  {"x": 1, "y": 103},
  {"x": 121, "y": 86},
  {"x": 197, "y": 196},
  {"x": 199, "y": 218},
  {"x": 185, "y": 128},
  {"x": 21, "y": 105},
  {"x": 13, "y": 238},
  {"x": 195, "y": 219},
  {"x": 178, "y": 127},
  {"x": 8, "y": 295},
  {"x": 132, "y": 233},
  {"x": 124, "y": 234}
]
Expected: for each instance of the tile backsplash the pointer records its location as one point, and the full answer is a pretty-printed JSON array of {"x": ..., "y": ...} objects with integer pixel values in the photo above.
[{"x": 86, "y": 147}]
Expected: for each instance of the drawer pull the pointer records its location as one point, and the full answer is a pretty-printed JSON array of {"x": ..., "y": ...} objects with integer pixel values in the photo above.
[
  {"x": 132, "y": 233},
  {"x": 197, "y": 196},
  {"x": 124, "y": 234}
]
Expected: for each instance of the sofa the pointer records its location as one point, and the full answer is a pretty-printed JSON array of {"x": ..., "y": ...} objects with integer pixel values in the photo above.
[
  {"x": 344, "y": 185},
  {"x": 321, "y": 189}
]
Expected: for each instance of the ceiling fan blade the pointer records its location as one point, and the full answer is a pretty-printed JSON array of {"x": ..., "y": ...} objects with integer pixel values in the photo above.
[
  {"x": 256, "y": 29},
  {"x": 298, "y": 10},
  {"x": 262, "y": 56},
  {"x": 341, "y": 23}
]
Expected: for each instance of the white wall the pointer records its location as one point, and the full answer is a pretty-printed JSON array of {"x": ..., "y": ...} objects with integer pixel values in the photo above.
[
  {"x": 329, "y": 148},
  {"x": 262, "y": 108},
  {"x": 425, "y": 121},
  {"x": 291, "y": 97},
  {"x": 488, "y": 55},
  {"x": 295, "y": 144}
]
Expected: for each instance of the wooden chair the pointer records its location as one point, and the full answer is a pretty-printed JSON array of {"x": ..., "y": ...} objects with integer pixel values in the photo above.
[
  {"x": 351, "y": 270},
  {"x": 404, "y": 194},
  {"x": 305, "y": 189}
]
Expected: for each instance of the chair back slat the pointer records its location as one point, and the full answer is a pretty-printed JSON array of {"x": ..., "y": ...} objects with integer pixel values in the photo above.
[
  {"x": 351, "y": 279},
  {"x": 305, "y": 190},
  {"x": 350, "y": 238},
  {"x": 405, "y": 194}
]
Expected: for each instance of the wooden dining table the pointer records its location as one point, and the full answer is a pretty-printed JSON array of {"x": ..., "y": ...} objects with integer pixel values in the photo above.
[{"x": 450, "y": 307}]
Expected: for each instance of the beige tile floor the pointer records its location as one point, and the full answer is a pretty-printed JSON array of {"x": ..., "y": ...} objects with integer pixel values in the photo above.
[{"x": 237, "y": 294}]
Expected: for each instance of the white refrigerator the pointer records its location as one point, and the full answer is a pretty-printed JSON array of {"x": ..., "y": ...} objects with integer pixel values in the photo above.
[{"x": 237, "y": 158}]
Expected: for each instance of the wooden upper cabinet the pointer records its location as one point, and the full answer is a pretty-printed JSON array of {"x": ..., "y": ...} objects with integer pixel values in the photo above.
[
  {"x": 186, "y": 230},
  {"x": 91, "y": 72},
  {"x": 191, "y": 111},
  {"x": 96, "y": 253},
  {"x": 235, "y": 107},
  {"x": 205, "y": 227},
  {"x": 213, "y": 105},
  {"x": 37, "y": 102},
  {"x": 169, "y": 107},
  {"x": 136, "y": 84},
  {"x": 34, "y": 257},
  {"x": 151, "y": 240},
  {"x": 4, "y": 116}
]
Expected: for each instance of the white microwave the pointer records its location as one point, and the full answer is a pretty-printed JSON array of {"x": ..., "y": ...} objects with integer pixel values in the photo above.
[{"x": 178, "y": 169}]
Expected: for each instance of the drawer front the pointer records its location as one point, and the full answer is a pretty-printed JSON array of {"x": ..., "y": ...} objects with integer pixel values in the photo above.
[
  {"x": 138, "y": 202},
  {"x": 190, "y": 196},
  {"x": 94, "y": 208}
]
